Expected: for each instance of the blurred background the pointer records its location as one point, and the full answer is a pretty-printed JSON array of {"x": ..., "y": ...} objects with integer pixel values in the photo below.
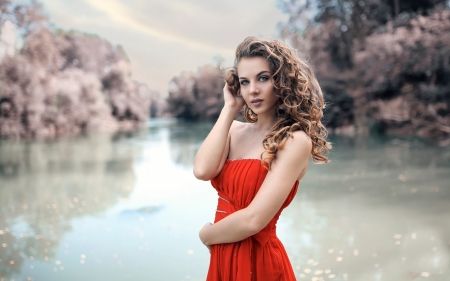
[{"x": 104, "y": 104}]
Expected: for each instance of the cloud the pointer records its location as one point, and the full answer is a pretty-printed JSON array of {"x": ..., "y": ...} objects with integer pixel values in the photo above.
[
  {"x": 124, "y": 15},
  {"x": 163, "y": 38}
]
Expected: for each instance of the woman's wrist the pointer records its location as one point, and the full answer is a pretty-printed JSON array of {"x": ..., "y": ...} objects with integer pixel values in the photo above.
[{"x": 232, "y": 111}]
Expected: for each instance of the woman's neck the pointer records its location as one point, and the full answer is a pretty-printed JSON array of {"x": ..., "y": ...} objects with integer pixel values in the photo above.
[{"x": 265, "y": 122}]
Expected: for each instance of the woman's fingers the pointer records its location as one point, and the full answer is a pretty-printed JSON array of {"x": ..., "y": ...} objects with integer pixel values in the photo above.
[
  {"x": 227, "y": 91},
  {"x": 232, "y": 99}
]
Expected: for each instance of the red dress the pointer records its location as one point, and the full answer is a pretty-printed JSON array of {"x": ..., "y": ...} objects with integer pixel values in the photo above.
[{"x": 258, "y": 257}]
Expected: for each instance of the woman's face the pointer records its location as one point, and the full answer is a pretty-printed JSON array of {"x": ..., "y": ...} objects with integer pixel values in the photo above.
[{"x": 256, "y": 85}]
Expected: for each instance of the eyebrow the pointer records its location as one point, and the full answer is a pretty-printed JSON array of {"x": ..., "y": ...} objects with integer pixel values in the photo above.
[{"x": 256, "y": 74}]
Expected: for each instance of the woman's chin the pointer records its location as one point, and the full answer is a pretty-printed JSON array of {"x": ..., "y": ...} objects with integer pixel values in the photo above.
[{"x": 262, "y": 111}]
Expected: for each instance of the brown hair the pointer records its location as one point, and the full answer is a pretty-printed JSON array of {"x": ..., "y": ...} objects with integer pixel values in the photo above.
[{"x": 300, "y": 97}]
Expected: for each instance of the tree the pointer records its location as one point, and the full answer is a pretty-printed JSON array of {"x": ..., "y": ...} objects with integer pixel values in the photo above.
[
  {"x": 194, "y": 96},
  {"x": 65, "y": 82},
  {"x": 365, "y": 55}
]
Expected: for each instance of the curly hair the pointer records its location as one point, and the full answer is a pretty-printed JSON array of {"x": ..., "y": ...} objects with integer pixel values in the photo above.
[{"x": 300, "y": 104}]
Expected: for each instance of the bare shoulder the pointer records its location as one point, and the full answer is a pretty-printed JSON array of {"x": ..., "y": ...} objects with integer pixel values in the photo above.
[
  {"x": 299, "y": 142},
  {"x": 294, "y": 156},
  {"x": 237, "y": 124},
  {"x": 296, "y": 150},
  {"x": 237, "y": 127}
]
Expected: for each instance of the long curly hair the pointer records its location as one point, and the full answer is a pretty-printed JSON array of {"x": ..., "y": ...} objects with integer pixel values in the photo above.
[{"x": 300, "y": 104}]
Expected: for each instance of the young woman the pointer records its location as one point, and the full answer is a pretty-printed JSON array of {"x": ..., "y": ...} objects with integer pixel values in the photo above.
[{"x": 256, "y": 166}]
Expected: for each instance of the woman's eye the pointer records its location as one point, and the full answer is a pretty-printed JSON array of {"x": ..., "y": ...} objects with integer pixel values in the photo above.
[
  {"x": 244, "y": 82},
  {"x": 263, "y": 78}
]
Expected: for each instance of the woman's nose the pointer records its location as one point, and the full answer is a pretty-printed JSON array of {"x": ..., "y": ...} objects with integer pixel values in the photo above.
[{"x": 253, "y": 88}]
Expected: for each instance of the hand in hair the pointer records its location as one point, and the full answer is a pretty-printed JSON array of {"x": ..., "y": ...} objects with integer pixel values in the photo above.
[
  {"x": 231, "y": 94},
  {"x": 232, "y": 100}
]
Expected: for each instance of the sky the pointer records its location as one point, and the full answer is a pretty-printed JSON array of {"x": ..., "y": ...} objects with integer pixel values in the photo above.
[{"x": 165, "y": 37}]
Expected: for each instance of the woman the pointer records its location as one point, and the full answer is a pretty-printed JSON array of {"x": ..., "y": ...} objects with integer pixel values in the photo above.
[{"x": 256, "y": 166}]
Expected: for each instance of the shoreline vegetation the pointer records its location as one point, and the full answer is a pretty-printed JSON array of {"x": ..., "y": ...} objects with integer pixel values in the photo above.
[
  {"x": 384, "y": 67},
  {"x": 63, "y": 82}
]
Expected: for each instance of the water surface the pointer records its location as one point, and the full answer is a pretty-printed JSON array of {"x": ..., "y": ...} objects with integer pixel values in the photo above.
[{"x": 127, "y": 207}]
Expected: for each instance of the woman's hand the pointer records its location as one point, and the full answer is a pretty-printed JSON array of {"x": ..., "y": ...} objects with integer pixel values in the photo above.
[
  {"x": 232, "y": 101},
  {"x": 203, "y": 234}
]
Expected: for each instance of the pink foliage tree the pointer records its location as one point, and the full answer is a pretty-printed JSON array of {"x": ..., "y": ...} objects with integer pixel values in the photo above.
[
  {"x": 383, "y": 65},
  {"x": 405, "y": 73},
  {"x": 62, "y": 83},
  {"x": 194, "y": 96}
]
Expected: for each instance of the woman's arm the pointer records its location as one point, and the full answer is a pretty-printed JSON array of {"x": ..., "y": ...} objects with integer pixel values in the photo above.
[
  {"x": 214, "y": 150},
  {"x": 277, "y": 185}
]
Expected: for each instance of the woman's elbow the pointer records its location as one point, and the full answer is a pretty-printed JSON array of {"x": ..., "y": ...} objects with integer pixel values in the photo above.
[
  {"x": 255, "y": 224},
  {"x": 202, "y": 174}
]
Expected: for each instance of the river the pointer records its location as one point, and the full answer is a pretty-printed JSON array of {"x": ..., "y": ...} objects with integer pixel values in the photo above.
[{"x": 127, "y": 207}]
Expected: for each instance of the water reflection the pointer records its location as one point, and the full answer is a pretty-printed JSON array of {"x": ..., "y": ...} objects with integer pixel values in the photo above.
[
  {"x": 127, "y": 206},
  {"x": 185, "y": 139},
  {"x": 379, "y": 212},
  {"x": 45, "y": 185}
]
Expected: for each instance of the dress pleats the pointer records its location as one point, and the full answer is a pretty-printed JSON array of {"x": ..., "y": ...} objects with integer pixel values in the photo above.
[{"x": 261, "y": 256}]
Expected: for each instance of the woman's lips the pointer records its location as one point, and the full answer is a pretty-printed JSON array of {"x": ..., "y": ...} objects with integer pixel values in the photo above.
[{"x": 257, "y": 102}]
